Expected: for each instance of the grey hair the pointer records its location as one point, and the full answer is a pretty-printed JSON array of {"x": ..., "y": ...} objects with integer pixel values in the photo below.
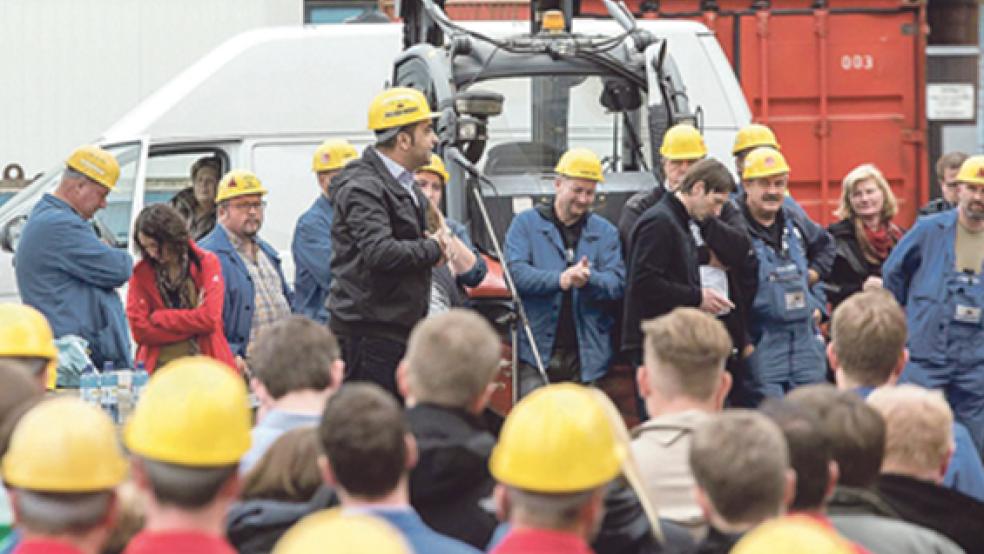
[{"x": 61, "y": 513}]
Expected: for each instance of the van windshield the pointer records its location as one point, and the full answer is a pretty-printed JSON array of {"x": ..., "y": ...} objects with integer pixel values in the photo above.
[
  {"x": 543, "y": 116},
  {"x": 113, "y": 222}
]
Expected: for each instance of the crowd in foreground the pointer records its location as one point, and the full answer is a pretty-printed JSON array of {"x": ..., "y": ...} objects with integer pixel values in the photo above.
[{"x": 331, "y": 467}]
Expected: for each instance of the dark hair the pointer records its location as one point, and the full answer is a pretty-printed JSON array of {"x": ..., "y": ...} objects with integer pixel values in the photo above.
[
  {"x": 208, "y": 161},
  {"x": 18, "y": 395},
  {"x": 363, "y": 435},
  {"x": 165, "y": 225},
  {"x": 294, "y": 354},
  {"x": 390, "y": 141},
  {"x": 712, "y": 173},
  {"x": 856, "y": 431},
  {"x": 950, "y": 160},
  {"x": 809, "y": 451}
]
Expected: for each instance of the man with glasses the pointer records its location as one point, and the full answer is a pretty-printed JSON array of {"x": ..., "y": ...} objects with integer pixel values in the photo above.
[
  {"x": 946, "y": 171},
  {"x": 65, "y": 271},
  {"x": 256, "y": 293}
]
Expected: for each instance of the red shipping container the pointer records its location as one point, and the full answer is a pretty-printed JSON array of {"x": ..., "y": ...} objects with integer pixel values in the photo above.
[{"x": 841, "y": 85}]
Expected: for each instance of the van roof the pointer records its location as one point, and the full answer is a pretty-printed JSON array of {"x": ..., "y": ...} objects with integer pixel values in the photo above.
[{"x": 253, "y": 83}]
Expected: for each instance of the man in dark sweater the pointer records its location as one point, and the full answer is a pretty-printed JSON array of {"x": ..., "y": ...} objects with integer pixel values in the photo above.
[
  {"x": 664, "y": 266},
  {"x": 741, "y": 467}
]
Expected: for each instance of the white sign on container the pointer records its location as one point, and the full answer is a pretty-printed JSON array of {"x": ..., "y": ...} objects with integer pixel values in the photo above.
[{"x": 950, "y": 101}]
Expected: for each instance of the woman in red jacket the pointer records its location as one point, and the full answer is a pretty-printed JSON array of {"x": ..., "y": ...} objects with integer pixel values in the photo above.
[{"x": 174, "y": 304}]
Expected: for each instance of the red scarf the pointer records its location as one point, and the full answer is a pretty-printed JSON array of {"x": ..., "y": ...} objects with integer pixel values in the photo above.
[{"x": 879, "y": 242}]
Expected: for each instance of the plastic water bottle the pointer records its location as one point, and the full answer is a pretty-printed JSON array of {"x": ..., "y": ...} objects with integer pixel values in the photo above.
[
  {"x": 89, "y": 385},
  {"x": 140, "y": 378},
  {"x": 108, "y": 383}
]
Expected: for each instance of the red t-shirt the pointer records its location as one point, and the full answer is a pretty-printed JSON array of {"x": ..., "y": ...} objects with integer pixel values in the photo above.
[
  {"x": 540, "y": 541},
  {"x": 45, "y": 546},
  {"x": 186, "y": 542}
]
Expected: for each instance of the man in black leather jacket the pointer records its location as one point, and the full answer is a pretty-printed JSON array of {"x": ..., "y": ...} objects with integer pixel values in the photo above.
[{"x": 383, "y": 252}]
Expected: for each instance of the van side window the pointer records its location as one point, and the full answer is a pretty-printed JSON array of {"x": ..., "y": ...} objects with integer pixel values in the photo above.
[{"x": 170, "y": 173}]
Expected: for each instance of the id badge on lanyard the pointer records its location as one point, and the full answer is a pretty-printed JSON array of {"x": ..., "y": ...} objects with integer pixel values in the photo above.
[
  {"x": 794, "y": 297},
  {"x": 967, "y": 312}
]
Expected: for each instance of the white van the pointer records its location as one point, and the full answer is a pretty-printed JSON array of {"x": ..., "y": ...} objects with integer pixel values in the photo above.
[{"x": 264, "y": 100}]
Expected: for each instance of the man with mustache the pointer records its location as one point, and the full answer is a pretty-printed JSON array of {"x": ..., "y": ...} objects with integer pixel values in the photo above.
[
  {"x": 783, "y": 331},
  {"x": 935, "y": 273},
  {"x": 256, "y": 292}
]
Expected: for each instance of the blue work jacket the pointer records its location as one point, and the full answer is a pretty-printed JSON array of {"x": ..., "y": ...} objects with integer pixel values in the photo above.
[
  {"x": 240, "y": 297},
  {"x": 915, "y": 273},
  {"x": 474, "y": 276},
  {"x": 536, "y": 258},
  {"x": 311, "y": 249},
  {"x": 71, "y": 276}
]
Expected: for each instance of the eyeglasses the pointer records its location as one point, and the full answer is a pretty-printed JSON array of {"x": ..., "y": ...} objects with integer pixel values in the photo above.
[{"x": 246, "y": 206}]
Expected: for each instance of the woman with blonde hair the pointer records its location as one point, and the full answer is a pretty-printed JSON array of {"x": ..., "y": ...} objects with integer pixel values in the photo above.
[{"x": 865, "y": 235}]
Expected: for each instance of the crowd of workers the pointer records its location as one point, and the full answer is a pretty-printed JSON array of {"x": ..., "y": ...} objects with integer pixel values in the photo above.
[{"x": 725, "y": 295}]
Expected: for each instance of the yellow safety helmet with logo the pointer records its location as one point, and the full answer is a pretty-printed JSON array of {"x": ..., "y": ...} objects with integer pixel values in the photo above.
[
  {"x": 332, "y": 155},
  {"x": 580, "y": 163},
  {"x": 398, "y": 106},
  {"x": 559, "y": 439},
  {"x": 96, "y": 164},
  {"x": 683, "y": 142},
  {"x": 334, "y": 532},
  {"x": 972, "y": 171},
  {"x": 436, "y": 166},
  {"x": 64, "y": 445},
  {"x": 25, "y": 333},
  {"x": 764, "y": 162},
  {"x": 194, "y": 412},
  {"x": 236, "y": 183},
  {"x": 753, "y": 136}
]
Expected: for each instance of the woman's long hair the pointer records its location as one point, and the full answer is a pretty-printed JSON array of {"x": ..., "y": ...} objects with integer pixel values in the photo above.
[
  {"x": 165, "y": 225},
  {"x": 890, "y": 207},
  {"x": 863, "y": 172}
]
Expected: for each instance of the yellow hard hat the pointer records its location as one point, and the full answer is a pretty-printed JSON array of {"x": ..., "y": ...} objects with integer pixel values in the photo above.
[
  {"x": 96, "y": 164},
  {"x": 25, "y": 333},
  {"x": 580, "y": 163},
  {"x": 64, "y": 445},
  {"x": 752, "y": 136},
  {"x": 398, "y": 106},
  {"x": 335, "y": 532},
  {"x": 972, "y": 171},
  {"x": 683, "y": 142},
  {"x": 559, "y": 439},
  {"x": 792, "y": 534},
  {"x": 764, "y": 162},
  {"x": 436, "y": 166},
  {"x": 333, "y": 154},
  {"x": 194, "y": 412},
  {"x": 236, "y": 183}
]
